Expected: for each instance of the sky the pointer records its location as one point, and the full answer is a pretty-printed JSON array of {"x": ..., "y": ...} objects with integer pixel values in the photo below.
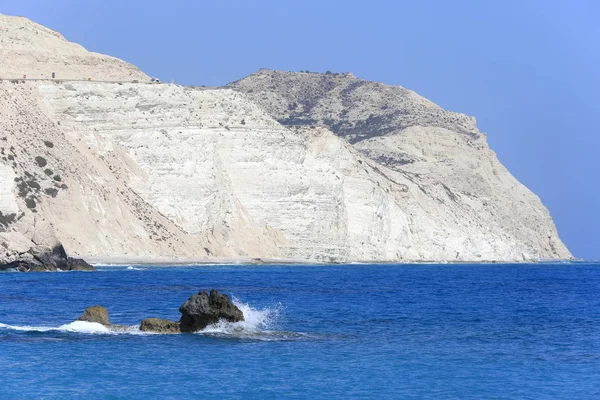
[{"x": 528, "y": 70}]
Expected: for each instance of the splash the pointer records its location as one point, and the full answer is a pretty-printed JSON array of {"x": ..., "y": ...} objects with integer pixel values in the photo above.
[
  {"x": 84, "y": 327},
  {"x": 258, "y": 324}
]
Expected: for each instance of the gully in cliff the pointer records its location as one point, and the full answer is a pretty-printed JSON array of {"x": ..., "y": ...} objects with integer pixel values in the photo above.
[{"x": 199, "y": 311}]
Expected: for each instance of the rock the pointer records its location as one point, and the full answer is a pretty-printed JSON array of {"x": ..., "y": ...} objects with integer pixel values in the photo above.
[
  {"x": 197, "y": 312},
  {"x": 95, "y": 314},
  {"x": 202, "y": 309},
  {"x": 44, "y": 259},
  {"x": 52, "y": 258},
  {"x": 99, "y": 314},
  {"x": 159, "y": 326},
  {"x": 77, "y": 264},
  {"x": 31, "y": 266}
]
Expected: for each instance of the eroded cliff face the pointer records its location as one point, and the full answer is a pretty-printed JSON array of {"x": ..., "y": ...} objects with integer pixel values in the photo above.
[
  {"x": 168, "y": 172},
  {"x": 442, "y": 153},
  {"x": 219, "y": 167},
  {"x": 65, "y": 195}
]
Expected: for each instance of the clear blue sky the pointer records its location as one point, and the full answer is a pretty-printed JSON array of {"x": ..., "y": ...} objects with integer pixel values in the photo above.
[{"x": 529, "y": 71}]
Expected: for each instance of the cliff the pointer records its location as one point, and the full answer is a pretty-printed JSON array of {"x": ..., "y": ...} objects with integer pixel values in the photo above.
[{"x": 278, "y": 165}]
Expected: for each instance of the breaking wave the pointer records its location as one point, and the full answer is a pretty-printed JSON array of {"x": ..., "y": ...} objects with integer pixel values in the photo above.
[{"x": 258, "y": 324}]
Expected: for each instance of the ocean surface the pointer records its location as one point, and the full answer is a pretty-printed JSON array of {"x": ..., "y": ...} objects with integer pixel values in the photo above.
[{"x": 312, "y": 332}]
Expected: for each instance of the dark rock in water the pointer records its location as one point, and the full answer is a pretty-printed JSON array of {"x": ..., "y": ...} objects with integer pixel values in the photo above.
[
  {"x": 43, "y": 259},
  {"x": 77, "y": 264},
  {"x": 53, "y": 259},
  {"x": 95, "y": 314},
  {"x": 159, "y": 326},
  {"x": 29, "y": 266},
  {"x": 201, "y": 310}
]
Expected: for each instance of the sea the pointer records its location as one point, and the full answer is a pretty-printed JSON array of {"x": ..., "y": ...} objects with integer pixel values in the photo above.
[{"x": 311, "y": 332}]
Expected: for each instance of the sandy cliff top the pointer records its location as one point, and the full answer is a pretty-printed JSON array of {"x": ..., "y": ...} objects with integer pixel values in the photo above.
[{"x": 30, "y": 49}]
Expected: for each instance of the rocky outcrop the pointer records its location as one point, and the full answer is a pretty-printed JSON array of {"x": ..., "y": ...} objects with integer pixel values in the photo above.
[
  {"x": 97, "y": 314},
  {"x": 325, "y": 168},
  {"x": 203, "y": 309},
  {"x": 46, "y": 259},
  {"x": 77, "y": 264},
  {"x": 197, "y": 313},
  {"x": 158, "y": 325}
]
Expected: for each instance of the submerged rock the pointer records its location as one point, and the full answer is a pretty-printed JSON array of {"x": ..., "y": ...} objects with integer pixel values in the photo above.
[
  {"x": 159, "y": 326},
  {"x": 97, "y": 314},
  {"x": 202, "y": 309}
]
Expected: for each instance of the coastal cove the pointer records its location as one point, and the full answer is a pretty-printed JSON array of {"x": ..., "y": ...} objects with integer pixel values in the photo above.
[{"x": 311, "y": 331}]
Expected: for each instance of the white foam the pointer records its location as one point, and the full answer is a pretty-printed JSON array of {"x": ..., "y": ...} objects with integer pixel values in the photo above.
[
  {"x": 27, "y": 328},
  {"x": 257, "y": 323},
  {"x": 76, "y": 327},
  {"x": 84, "y": 327},
  {"x": 134, "y": 269}
]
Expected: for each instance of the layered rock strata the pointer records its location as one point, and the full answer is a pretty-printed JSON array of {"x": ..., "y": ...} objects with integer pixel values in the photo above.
[{"x": 441, "y": 154}]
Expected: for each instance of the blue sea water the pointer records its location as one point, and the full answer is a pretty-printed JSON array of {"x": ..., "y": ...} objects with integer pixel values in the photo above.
[{"x": 312, "y": 332}]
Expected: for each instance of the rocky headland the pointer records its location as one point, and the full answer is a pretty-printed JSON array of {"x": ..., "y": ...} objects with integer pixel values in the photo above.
[{"x": 276, "y": 166}]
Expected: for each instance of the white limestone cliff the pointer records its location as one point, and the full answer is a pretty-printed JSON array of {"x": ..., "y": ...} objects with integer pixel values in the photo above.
[
  {"x": 165, "y": 172},
  {"x": 441, "y": 152}
]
